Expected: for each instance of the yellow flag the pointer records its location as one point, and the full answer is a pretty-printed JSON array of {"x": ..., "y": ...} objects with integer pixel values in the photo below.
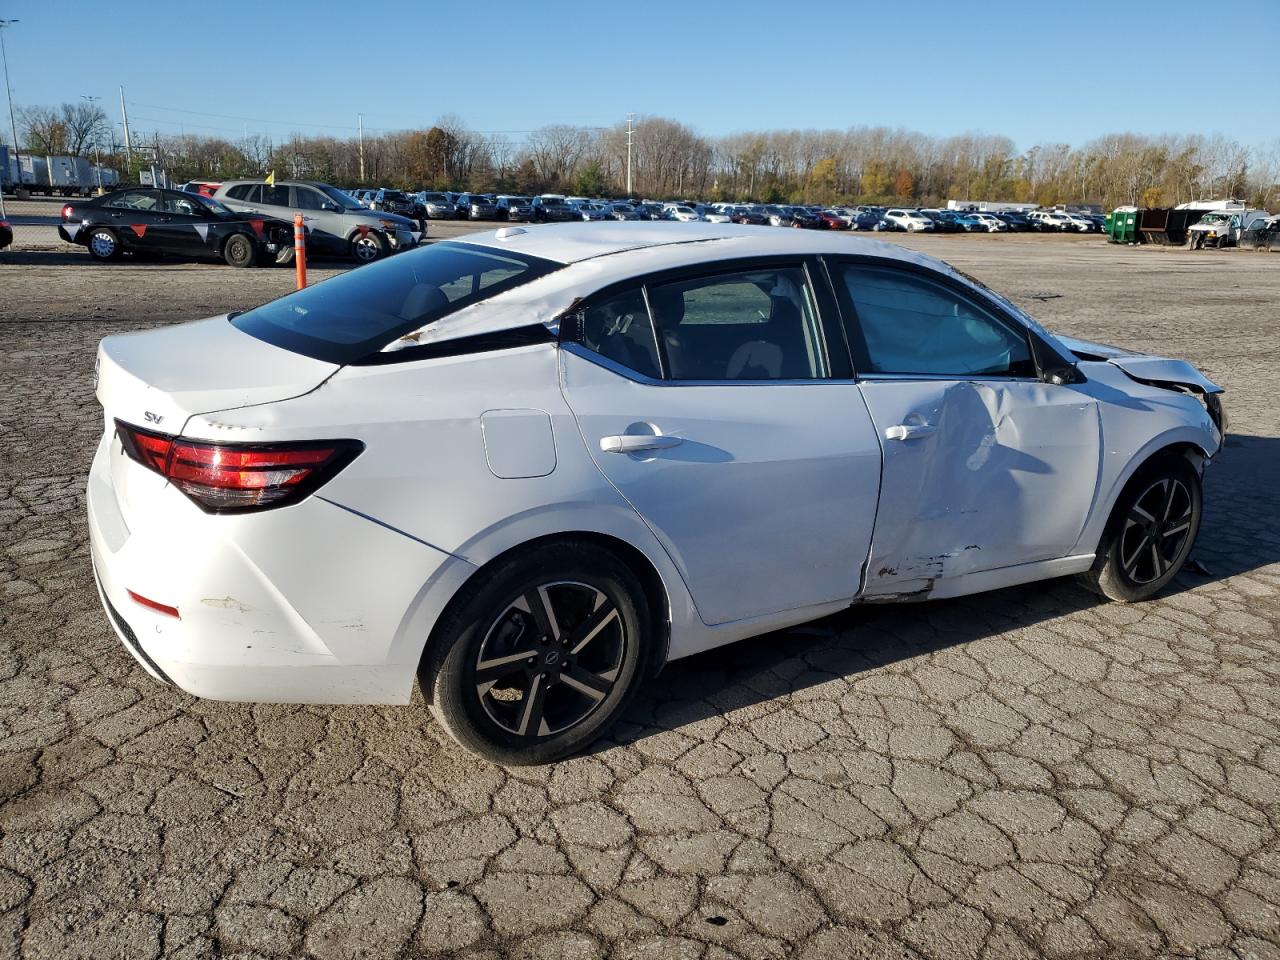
[{"x": 271, "y": 179}]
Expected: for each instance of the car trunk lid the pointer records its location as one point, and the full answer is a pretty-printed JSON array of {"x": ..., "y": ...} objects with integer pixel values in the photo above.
[{"x": 158, "y": 379}]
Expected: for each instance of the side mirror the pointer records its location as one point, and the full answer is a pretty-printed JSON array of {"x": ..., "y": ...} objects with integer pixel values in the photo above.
[{"x": 330, "y": 206}]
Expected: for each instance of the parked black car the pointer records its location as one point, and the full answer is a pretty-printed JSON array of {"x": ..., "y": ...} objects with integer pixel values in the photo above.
[
  {"x": 944, "y": 221},
  {"x": 397, "y": 201},
  {"x": 553, "y": 209},
  {"x": 805, "y": 218},
  {"x": 6, "y": 234},
  {"x": 474, "y": 206},
  {"x": 750, "y": 216},
  {"x": 173, "y": 223},
  {"x": 1018, "y": 222}
]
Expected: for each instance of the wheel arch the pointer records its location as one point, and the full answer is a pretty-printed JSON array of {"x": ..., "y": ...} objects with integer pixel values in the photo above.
[
  {"x": 1176, "y": 445},
  {"x": 356, "y": 230},
  {"x": 222, "y": 243},
  {"x": 657, "y": 596}
]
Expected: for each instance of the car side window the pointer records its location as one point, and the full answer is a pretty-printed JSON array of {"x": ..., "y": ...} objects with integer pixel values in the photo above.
[
  {"x": 144, "y": 200},
  {"x": 308, "y": 199},
  {"x": 749, "y": 325},
  {"x": 910, "y": 324},
  {"x": 275, "y": 195},
  {"x": 248, "y": 192},
  {"x": 619, "y": 329},
  {"x": 183, "y": 206}
]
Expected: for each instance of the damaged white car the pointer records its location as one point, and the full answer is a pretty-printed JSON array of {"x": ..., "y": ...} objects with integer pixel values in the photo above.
[{"x": 530, "y": 467}]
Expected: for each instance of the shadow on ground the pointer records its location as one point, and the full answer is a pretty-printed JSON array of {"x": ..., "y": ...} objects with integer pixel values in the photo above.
[{"x": 1240, "y": 532}]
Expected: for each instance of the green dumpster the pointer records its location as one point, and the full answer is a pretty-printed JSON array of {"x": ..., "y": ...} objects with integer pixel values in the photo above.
[{"x": 1124, "y": 226}]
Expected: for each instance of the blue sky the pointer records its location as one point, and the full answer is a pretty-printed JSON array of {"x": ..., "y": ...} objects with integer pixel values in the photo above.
[{"x": 1036, "y": 70}]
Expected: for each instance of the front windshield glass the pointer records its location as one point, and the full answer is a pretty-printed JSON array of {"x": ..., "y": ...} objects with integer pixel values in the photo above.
[
  {"x": 1214, "y": 218},
  {"x": 360, "y": 312},
  {"x": 344, "y": 201}
]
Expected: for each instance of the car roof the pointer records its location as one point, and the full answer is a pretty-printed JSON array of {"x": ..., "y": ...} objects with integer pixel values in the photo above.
[
  {"x": 596, "y": 255},
  {"x": 575, "y": 242}
]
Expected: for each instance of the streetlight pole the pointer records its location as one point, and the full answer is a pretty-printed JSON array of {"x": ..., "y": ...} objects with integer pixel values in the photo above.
[
  {"x": 97, "y": 153},
  {"x": 13, "y": 126}
]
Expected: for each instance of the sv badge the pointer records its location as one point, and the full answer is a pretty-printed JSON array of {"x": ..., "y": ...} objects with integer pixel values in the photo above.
[{"x": 152, "y": 417}]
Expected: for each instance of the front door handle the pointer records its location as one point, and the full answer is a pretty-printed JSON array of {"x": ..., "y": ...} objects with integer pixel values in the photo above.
[
  {"x": 909, "y": 431},
  {"x": 637, "y": 443}
]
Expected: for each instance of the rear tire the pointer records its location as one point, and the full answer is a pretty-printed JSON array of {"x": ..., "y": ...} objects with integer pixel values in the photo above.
[
  {"x": 1151, "y": 532},
  {"x": 239, "y": 251},
  {"x": 103, "y": 244},
  {"x": 518, "y": 685}
]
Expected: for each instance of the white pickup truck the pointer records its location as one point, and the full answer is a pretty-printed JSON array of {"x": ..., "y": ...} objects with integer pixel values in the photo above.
[{"x": 1222, "y": 228}]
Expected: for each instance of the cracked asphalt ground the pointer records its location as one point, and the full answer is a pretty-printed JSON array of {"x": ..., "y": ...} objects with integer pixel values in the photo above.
[{"x": 1024, "y": 773}]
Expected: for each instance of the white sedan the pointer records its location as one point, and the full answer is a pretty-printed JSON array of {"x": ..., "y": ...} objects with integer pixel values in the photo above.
[{"x": 529, "y": 468}]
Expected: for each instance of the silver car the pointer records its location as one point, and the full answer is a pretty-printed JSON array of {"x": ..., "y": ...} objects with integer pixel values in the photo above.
[
  {"x": 438, "y": 205},
  {"x": 336, "y": 224}
]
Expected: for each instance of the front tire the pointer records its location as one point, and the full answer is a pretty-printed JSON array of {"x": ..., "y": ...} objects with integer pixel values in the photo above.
[
  {"x": 1150, "y": 533},
  {"x": 239, "y": 251},
  {"x": 538, "y": 658},
  {"x": 368, "y": 247}
]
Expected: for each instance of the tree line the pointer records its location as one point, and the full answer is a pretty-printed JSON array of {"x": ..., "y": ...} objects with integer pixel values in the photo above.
[{"x": 670, "y": 159}]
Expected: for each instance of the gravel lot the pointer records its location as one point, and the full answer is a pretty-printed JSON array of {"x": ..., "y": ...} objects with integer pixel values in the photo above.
[{"x": 1024, "y": 773}]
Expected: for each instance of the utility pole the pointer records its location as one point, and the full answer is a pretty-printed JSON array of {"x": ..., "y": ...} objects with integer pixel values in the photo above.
[
  {"x": 360, "y": 127},
  {"x": 128, "y": 144},
  {"x": 630, "y": 119},
  {"x": 8, "y": 92}
]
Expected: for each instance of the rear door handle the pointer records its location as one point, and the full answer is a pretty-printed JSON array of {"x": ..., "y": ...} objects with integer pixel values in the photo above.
[
  {"x": 909, "y": 431},
  {"x": 630, "y": 443}
]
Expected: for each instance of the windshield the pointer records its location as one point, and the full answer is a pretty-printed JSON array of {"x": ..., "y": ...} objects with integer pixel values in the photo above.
[
  {"x": 1214, "y": 218},
  {"x": 337, "y": 196},
  {"x": 360, "y": 312},
  {"x": 216, "y": 206}
]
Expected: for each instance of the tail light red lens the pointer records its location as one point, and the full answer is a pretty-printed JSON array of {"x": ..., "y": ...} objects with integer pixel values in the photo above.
[
  {"x": 67, "y": 210},
  {"x": 239, "y": 477}
]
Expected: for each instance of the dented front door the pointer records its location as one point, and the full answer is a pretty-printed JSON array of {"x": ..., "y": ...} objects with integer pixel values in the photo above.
[{"x": 978, "y": 474}]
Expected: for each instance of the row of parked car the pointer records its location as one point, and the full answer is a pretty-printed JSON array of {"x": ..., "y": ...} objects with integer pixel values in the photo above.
[{"x": 445, "y": 205}]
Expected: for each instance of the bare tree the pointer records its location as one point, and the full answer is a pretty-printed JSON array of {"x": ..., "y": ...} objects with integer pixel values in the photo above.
[
  {"x": 42, "y": 130},
  {"x": 86, "y": 124}
]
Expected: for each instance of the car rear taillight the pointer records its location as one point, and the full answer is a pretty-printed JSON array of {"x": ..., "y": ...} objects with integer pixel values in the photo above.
[
  {"x": 238, "y": 477},
  {"x": 67, "y": 210}
]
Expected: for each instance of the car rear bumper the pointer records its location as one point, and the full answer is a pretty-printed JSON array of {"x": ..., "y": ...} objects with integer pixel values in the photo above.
[
  {"x": 70, "y": 232},
  {"x": 283, "y": 606}
]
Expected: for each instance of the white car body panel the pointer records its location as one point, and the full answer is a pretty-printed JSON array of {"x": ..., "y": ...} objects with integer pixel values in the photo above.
[
  {"x": 176, "y": 371},
  {"x": 777, "y": 476},
  {"x": 764, "y": 516},
  {"x": 1004, "y": 474}
]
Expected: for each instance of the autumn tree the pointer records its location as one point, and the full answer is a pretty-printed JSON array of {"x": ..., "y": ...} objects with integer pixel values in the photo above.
[
  {"x": 904, "y": 184},
  {"x": 824, "y": 181}
]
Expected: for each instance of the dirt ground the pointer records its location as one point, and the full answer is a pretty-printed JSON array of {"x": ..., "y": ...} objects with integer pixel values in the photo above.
[{"x": 1024, "y": 773}]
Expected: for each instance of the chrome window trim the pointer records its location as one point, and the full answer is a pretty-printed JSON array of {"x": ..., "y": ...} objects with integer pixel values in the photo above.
[{"x": 586, "y": 353}]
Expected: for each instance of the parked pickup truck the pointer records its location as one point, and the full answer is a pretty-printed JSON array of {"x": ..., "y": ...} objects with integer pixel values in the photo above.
[{"x": 1221, "y": 228}]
